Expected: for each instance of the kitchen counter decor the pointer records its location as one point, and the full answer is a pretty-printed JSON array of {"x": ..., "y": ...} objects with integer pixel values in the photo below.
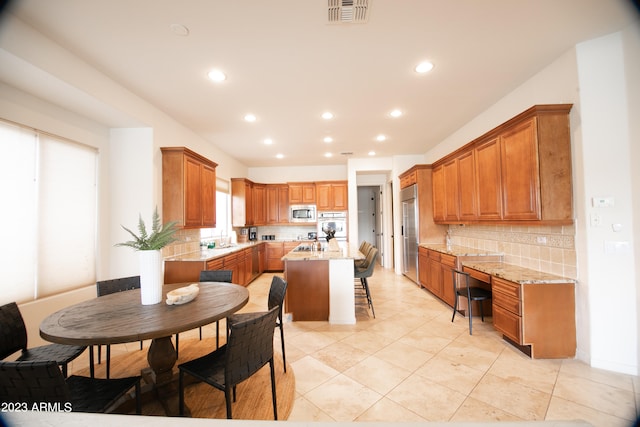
[
  {"x": 182, "y": 295},
  {"x": 150, "y": 257}
]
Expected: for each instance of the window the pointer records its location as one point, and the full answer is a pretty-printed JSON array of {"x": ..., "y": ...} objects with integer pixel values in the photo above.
[{"x": 48, "y": 187}]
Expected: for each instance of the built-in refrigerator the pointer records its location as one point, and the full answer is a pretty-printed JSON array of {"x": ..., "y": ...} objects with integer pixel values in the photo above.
[{"x": 408, "y": 197}]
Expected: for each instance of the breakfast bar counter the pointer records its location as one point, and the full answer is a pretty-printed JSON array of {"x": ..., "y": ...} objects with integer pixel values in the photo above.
[{"x": 320, "y": 283}]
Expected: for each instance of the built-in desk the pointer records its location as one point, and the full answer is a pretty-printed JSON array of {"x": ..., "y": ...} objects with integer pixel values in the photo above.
[{"x": 534, "y": 310}]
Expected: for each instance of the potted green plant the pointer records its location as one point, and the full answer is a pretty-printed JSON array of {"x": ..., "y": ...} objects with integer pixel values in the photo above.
[{"x": 149, "y": 244}]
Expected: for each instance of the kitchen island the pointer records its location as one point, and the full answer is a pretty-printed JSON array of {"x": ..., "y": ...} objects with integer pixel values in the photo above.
[{"x": 320, "y": 283}]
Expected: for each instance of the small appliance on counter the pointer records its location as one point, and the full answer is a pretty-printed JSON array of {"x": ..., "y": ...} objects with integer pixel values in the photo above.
[
  {"x": 253, "y": 233},
  {"x": 244, "y": 234},
  {"x": 312, "y": 235},
  {"x": 268, "y": 237}
]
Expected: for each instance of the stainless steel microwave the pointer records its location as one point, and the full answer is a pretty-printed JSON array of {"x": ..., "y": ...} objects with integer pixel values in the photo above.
[{"x": 302, "y": 213}]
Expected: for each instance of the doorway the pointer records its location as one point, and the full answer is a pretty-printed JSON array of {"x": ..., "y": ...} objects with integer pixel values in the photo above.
[{"x": 370, "y": 217}]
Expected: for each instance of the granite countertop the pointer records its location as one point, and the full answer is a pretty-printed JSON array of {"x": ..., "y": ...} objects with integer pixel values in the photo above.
[
  {"x": 344, "y": 252},
  {"x": 517, "y": 274},
  {"x": 458, "y": 250}
]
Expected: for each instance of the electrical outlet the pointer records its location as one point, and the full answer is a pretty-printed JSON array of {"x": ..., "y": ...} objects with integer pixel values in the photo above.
[
  {"x": 596, "y": 220},
  {"x": 542, "y": 240}
]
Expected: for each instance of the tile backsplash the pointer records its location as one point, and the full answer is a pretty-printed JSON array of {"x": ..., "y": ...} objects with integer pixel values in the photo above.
[{"x": 545, "y": 248}]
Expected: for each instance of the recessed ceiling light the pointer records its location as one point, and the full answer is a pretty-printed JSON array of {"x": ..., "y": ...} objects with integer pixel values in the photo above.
[
  {"x": 217, "y": 76},
  {"x": 279, "y": 156},
  {"x": 179, "y": 29},
  {"x": 424, "y": 67},
  {"x": 250, "y": 118},
  {"x": 327, "y": 115},
  {"x": 328, "y": 155},
  {"x": 268, "y": 141},
  {"x": 372, "y": 153},
  {"x": 380, "y": 137},
  {"x": 395, "y": 113},
  {"x": 328, "y": 139}
]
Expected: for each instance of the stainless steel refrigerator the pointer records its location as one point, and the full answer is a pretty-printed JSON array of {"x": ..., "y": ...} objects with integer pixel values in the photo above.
[{"x": 409, "y": 199}]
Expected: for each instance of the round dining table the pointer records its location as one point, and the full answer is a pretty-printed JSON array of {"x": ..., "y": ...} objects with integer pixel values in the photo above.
[{"x": 120, "y": 318}]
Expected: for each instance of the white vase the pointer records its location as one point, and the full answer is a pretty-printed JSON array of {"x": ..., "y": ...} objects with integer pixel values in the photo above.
[{"x": 151, "y": 279}]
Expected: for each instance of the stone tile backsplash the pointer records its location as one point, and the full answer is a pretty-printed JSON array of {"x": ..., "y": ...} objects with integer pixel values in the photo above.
[{"x": 545, "y": 248}]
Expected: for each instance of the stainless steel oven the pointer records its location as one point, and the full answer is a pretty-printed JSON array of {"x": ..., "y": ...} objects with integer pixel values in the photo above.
[
  {"x": 332, "y": 221},
  {"x": 302, "y": 213}
]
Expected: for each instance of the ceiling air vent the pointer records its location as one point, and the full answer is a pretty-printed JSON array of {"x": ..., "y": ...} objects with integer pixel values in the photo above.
[
  {"x": 348, "y": 11},
  {"x": 346, "y": 153}
]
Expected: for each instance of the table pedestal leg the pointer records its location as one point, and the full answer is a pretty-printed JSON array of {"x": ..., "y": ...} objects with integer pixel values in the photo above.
[{"x": 162, "y": 358}]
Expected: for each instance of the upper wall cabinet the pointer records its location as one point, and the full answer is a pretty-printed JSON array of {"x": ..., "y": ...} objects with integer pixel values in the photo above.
[
  {"x": 518, "y": 172},
  {"x": 188, "y": 188},
  {"x": 332, "y": 196},
  {"x": 302, "y": 193},
  {"x": 242, "y": 209}
]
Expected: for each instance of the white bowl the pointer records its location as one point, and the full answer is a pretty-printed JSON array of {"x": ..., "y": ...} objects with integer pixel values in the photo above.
[{"x": 182, "y": 295}]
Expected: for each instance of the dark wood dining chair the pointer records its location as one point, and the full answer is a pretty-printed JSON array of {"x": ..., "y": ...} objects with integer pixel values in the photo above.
[
  {"x": 216, "y": 276},
  {"x": 107, "y": 287},
  {"x": 13, "y": 338},
  {"x": 35, "y": 383},
  {"x": 277, "y": 291},
  {"x": 461, "y": 288},
  {"x": 249, "y": 348}
]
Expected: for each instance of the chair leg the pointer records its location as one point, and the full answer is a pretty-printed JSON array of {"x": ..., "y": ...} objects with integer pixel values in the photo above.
[
  {"x": 470, "y": 315},
  {"x": 284, "y": 358},
  {"x": 200, "y": 331},
  {"x": 181, "y": 393},
  {"x": 99, "y": 354},
  {"x": 108, "y": 362},
  {"x": 64, "y": 370},
  {"x": 138, "y": 399},
  {"x": 273, "y": 390},
  {"x": 227, "y": 398},
  {"x": 140, "y": 344},
  {"x": 368, "y": 293},
  {"x": 217, "y": 334},
  {"x": 455, "y": 306},
  {"x": 481, "y": 310},
  {"x": 177, "y": 344},
  {"x": 92, "y": 369}
]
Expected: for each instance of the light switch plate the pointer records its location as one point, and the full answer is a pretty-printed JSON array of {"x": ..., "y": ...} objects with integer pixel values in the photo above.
[{"x": 602, "y": 202}]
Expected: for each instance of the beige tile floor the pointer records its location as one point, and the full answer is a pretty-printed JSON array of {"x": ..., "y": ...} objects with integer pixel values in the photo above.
[{"x": 412, "y": 364}]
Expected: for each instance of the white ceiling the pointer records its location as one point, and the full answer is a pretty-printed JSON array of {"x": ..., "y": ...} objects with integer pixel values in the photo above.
[{"x": 287, "y": 65}]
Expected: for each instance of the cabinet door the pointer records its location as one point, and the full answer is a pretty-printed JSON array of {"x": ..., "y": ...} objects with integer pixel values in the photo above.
[
  {"x": 488, "y": 180},
  {"x": 272, "y": 205},
  {"x": 283, "y": 204},
  {"x": 438, "y": 193},
  {"x": 248, "y": 203},
  {"x": 451, "y": 190},
  {"x": 340, "y": 201},
  {"x": 520, "y": 174},
  {"x": 193, "y": 192},
  {"x": 423, "y": 267},
  {"x": 295, "y": 194},
  {"x": 324, "y": 196},
  {"x": 308, "y": 194},
  {"x": 467, "y": 185},
  {"x": 435, "y": 278},
  {"x": 259, "y": 204},
  {"x": 208, "y": 196}
]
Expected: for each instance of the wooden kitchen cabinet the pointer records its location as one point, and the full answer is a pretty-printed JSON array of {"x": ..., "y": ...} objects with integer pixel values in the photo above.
[
  {"x": 242, "y": 209},
  {"x": 274, "y": 253},
  {"x": 277, "y": 204},
  {"x": 522, "y": 173},
  {"x": 408, "y": 178},
  {"x": 302, "y": 193},
  {"x": 434, "y": 270},
  {"x": 188, "y": 188},
  {"x": 259, "y": 204},
  {"x": 332, "y": 196}
]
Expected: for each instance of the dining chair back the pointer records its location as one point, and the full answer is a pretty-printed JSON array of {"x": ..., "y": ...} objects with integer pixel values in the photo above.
[
  {"x": 216, "y": 276},
  {"x": 277, "y": 291},
  {"x": 107, "y": 287},
  {"x": 13, "y": 338},
  {"x": 249, "y": 348},
  {"x": 462, "y": 288},
  {"x": 37, "y": 383}
]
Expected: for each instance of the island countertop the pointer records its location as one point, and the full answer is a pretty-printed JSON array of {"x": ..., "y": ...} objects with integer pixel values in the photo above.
[{"x": 344, "y": 252}]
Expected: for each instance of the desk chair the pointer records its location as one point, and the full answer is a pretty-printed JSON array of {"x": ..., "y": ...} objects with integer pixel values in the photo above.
[
  {"x": 249, "y": 348},
  {"x": 471, "y": 293},
  {"x": 34, "y": 383},
  {"x": 13, "y": 337}
]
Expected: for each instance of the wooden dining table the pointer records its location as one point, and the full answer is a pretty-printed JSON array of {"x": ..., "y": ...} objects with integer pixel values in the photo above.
[{"x": 120, "y": 318}]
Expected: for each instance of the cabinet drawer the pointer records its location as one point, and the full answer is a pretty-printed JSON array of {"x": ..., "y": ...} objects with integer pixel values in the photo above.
[
  {"x": 507, "y": 323},
  {"x": 423, "y": 251},
  {"x": 479, "y": 275},
  {"x": 508, "y": 288},
  {"x": 449, "y": 260},
  {"x": 434, "y": 255},
  {"x": 215, "y": 264},
  {"x": 508, "y": 303},
  {"x": 230, "y": 259}
]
